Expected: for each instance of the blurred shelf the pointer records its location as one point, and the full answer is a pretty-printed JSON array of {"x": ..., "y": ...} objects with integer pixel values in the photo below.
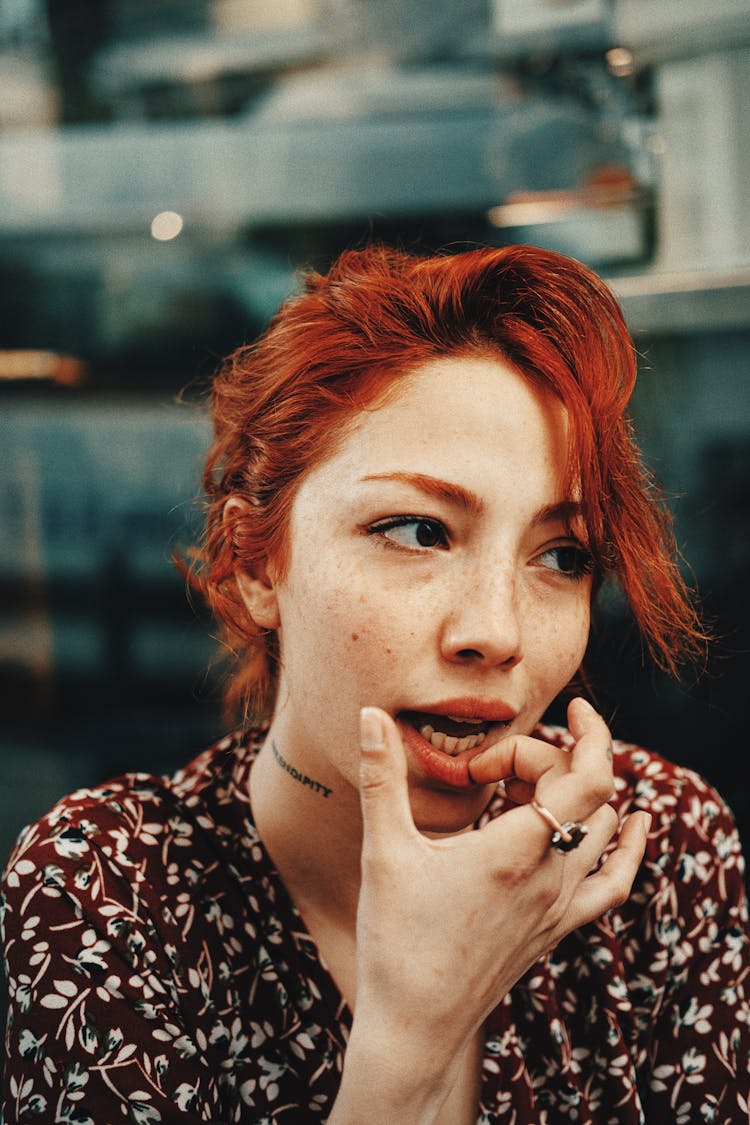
[{"x": 691, "y": 300}]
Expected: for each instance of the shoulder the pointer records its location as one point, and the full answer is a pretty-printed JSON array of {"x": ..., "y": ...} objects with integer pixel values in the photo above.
[
  {"x": 117, "y": 916},
  {"x": 137, "y": 828},
  {"x": 137, "y": 876},
  {"x": 133, "y": 805}
]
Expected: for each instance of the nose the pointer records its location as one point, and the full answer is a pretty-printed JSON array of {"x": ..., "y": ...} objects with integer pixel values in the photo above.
[{"x": 484, "y": 623}]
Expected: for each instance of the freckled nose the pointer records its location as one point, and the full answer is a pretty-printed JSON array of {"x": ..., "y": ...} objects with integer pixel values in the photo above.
[{"x": 484, "y": 623}]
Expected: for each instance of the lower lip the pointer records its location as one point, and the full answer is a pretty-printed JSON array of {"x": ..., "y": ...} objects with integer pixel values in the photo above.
[{"x": 436, "y": 764}]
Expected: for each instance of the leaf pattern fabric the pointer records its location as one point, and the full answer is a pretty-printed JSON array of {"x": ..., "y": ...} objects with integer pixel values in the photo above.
[{"x": 158, "y": 972}]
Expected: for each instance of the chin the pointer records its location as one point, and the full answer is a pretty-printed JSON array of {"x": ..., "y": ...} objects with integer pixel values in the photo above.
[{"x": 446, "y": 812}]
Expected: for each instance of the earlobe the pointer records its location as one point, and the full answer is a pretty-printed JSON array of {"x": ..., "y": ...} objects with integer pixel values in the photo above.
[
  {"x": 259, "y": 595},
  {"x": 254, "y": 581}
]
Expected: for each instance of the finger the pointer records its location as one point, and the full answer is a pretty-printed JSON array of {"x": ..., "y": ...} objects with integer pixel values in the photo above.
[
  {"x": 593, "y": 748},
  {"x": 518, "y": 791},
  {"x": 599, "y": 830},
  {"x": 518, "y": 756},
  {"x": 613, "y": 882},
  {"x": 588, "y": 780},
  {"x": 571, "y": 784},
  {"x": 531, "y": 826},
  {"x": 383, "y": 790}
]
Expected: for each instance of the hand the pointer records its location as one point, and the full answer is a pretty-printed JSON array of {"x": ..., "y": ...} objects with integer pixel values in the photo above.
[{"x": 446, "y": 926}]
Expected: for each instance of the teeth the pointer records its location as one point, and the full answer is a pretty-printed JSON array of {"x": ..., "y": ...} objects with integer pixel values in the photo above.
[
  {"x": 463, "y": 719},
  {"x": 447, "y": 743}
]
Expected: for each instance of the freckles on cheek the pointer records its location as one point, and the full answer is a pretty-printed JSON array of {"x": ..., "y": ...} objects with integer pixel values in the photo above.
[
  {"x": 577, "y": 651},
  {"x": 562, "y": 646},
  {"x": 367, "y": 644},
  {"x": 356, "y": 636}
]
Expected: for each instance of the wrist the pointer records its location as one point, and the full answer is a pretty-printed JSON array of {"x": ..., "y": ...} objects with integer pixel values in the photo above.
[{"x": 388, "y": 1077}]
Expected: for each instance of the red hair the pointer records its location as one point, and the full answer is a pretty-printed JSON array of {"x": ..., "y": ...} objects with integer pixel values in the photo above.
[{"x": 281, "y": 404}]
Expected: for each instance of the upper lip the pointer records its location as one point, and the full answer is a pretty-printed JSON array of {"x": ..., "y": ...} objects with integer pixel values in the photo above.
[{"x": 469, "y": 707}]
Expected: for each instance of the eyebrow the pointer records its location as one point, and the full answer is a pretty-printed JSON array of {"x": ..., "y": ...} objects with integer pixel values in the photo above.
[
  {"x": 564, "y": 511},
  {"x": 433, "y": 486}
]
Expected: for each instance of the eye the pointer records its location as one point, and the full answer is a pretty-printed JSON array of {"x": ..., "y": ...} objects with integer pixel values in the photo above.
[
  {"x": 415, "y": 532},
  {"x": 570, "y": 559}
]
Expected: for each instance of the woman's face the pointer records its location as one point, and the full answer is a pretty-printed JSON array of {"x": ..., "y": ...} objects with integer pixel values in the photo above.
[{"x": 434, "y": 572}]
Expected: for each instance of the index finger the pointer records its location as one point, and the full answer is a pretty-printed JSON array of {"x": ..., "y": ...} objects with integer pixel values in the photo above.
[
  {"x": 588, "y": 781},
  {"x": 571, "y": 783}
]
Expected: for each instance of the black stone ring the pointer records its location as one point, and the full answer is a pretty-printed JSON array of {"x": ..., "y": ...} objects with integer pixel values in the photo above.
[{"x": 565, "y": 837}]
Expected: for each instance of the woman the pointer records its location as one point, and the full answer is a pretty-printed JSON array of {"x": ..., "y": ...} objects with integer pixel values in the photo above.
[{"x": 398, "y": 898}]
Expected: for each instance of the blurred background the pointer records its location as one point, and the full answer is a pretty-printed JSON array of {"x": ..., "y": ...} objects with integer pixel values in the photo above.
[{"x": 166, "y": 166}]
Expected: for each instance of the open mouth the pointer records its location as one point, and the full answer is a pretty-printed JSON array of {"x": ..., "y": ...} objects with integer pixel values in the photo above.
[{"x": 450, "y": 733}]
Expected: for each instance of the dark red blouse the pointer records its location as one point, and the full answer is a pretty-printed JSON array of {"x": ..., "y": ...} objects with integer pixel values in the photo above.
[{"x": 158, "y": 971}]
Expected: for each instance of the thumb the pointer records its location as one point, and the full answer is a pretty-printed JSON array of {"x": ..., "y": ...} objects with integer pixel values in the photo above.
[{"x": 382, "y": 778}]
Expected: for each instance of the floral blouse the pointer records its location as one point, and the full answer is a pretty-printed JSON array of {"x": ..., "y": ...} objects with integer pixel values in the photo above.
[{"x": 157, "y": 970}]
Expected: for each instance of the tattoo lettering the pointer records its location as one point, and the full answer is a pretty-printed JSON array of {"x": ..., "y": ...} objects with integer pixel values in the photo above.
[{"x": 302, "y": 778}]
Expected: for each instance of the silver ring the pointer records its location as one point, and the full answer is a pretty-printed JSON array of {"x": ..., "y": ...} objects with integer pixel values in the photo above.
[{"x": 565, "y": 837}]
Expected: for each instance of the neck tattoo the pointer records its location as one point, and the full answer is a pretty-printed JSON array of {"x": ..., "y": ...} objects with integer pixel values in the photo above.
[{"x": 302, "y": 778}]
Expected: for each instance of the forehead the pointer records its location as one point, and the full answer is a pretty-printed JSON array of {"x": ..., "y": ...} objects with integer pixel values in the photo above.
[{"x": 467, "y": 419}]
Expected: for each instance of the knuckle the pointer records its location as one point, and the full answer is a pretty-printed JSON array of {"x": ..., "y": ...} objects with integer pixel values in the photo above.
[
  {"x": 517, "y": 875},
  {"x": 375, "y": 863},
  {"x": 515, "y": 746},
  {"x": 511, "y": 877},
  {"x": 372, "y": 784},
  {"x": 600, "y": 788},
  {"x": 609, "y": 819}
]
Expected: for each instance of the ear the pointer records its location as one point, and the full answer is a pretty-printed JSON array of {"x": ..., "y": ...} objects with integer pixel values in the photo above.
[{"x": 254, "y": 582}]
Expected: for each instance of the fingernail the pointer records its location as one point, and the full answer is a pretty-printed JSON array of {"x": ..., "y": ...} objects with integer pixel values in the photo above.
[
  {"x": 647, "y": 823},
  {"x": 588, "y": 706},
  {"x": 370, "y": 729}
]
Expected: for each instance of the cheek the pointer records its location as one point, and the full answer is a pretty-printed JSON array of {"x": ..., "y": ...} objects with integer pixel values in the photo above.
[
  {"x": 365, "y": 649},
  {"x": 577, "y": 640},
  {"x": 560, "y": 644},
  {"x": 367, "y": 640},
  {"x": 335, "y": 617}
]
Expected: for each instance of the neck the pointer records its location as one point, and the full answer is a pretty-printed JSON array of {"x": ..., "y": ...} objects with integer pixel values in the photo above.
[{"x": 310, "y": 824}]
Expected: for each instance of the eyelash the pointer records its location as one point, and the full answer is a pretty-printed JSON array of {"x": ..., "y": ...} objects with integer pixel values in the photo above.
[
  {"x": 582, "y": 563},
  {"x": 380, "y": 527}
]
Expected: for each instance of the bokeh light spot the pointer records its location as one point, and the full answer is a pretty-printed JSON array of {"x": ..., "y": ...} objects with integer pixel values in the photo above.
[{"x": 166, "y": 225}]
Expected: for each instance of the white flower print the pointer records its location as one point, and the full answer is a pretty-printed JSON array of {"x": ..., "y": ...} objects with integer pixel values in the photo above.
[
  {"x": 155, "y": 961},
  {"x": 90, "y": 956},
  {"x": 29, "y": 1045},
  {"x": 695, "y": 1015},
  {"x": 140, "y": 1113},
  {"x": 185, "y": 1096}
]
